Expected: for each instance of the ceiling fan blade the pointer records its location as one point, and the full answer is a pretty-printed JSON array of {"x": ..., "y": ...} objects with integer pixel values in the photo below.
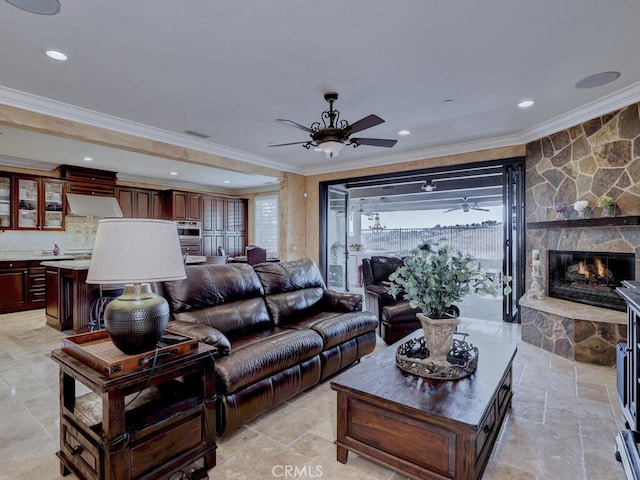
[
  {"x": 285, "y": 144},
  {"x": 364, "y": 123},
  {"x": 451, "y": 210},
  {"x": 374, "y": 142},
  {"x": 295, "y": 124},
  {"x": 480, "y": 209}
]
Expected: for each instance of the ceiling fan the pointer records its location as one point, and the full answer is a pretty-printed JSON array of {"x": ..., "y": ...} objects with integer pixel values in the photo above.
[
  {"x": 333, "y": 134},
  {"x": 466, "y": 206}
]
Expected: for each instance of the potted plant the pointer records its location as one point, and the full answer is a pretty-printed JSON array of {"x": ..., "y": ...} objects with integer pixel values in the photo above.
[{"x": 433, "y": 278}]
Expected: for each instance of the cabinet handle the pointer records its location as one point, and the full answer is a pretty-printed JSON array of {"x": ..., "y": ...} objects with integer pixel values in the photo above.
[
  {"x": 488, "y": 428},
  {"x": 77, "y": 450}
]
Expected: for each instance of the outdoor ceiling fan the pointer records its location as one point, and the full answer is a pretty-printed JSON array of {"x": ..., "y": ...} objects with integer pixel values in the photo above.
[
  {"x": 466, "y": 206},
  {"x": 333, "y": 134}
]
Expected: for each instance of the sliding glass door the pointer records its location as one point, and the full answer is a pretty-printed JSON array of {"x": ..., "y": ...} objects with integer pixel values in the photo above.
[{"x": 336, "y": 254}]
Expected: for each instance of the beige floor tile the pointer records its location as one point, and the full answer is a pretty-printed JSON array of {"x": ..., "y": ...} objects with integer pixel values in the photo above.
[{"x": 562, "y": 424}]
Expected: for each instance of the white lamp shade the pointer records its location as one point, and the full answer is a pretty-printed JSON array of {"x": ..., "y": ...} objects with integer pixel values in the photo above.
[{"x": 135, "y": 250}]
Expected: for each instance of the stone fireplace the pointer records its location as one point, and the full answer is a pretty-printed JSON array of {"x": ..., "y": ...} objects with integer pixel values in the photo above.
[
  {"x": 590, "y": 278},
  {"x": 597, "y": 158}
]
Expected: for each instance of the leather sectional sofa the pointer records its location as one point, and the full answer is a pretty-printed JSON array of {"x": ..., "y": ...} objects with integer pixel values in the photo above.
[{"x": 277, "y": 328}]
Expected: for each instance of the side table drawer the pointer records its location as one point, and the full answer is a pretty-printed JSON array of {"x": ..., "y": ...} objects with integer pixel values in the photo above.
[
  {"x": 504, "y": 392},
  {"x": 486, "y": 429},
  {"x": 80, "y": 451}
]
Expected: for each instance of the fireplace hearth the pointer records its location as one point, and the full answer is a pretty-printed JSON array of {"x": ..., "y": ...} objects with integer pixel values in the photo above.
[{"x": 590, "y": 277}]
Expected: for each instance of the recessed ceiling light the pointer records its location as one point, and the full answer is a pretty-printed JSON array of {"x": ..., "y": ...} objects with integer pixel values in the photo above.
[
  {"x": 88, "y": 159},
  {"x": 404, "y": 132},
  {"x": 226, "y": 181},
  {"x": 526, "y": 103},
  {"x": 173, "y": 173},
  {"x": 41, "y": 7},
  {"x": 57, "y": 55},
  {"x": 597, "y": 79}
]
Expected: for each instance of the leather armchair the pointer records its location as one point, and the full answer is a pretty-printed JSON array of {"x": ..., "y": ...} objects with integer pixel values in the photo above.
[
  {"x": 395, "y": 318},
  {"x": 375, "y": 276}
]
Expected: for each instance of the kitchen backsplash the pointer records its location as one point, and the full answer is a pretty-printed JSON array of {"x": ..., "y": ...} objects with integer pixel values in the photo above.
[{"x": 79, "y": 235}]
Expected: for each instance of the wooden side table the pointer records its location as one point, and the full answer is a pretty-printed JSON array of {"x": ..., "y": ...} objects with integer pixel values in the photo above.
[{"x": 141, "y": 425}]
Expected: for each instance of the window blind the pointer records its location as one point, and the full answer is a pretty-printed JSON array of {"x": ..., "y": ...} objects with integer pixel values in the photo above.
[{"x": 266, "y": 223}]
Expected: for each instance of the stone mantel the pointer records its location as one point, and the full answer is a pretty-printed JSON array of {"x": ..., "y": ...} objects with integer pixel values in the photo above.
[
  {"x": 626, "y": 221},
  {"x": 574, "y": 310},
  {"x": 572, "y": 330}
]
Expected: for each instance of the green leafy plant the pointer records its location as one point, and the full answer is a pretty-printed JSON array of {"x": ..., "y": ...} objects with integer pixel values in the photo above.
[
  {"x": 605, "y": 202},
  {"x": 434, "y": 277}
]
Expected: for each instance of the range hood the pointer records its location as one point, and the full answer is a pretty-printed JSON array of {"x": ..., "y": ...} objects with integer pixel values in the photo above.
[{"x": 93, "y": 206}]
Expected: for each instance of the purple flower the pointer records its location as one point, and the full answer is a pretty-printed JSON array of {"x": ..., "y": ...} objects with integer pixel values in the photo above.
[{"x": 561, "y": 207}]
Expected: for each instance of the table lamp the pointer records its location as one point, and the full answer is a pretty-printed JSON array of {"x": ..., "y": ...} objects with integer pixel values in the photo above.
[{"x": 134, "y": 252}]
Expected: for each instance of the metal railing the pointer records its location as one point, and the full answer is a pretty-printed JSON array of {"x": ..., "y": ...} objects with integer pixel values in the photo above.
[{"x": 481, "y": 242}]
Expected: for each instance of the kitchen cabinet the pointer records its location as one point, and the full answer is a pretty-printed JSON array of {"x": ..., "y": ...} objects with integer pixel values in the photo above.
[
  {"x": 22, "y": 286},
  {"x": 224, "y": 224},
  {"x": 68, "y": 296},
  {"x": 89, "y": 181},
  {"x": 38, "y": 203},
  {"x": 5, "y": 201},
  {"x": 14, "y": 286},
  {"x": 183, "y": 206},
  {"x": 140, "y": 203}
]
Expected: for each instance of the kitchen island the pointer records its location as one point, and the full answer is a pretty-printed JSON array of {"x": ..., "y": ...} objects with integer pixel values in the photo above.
[{"x": 68, "y": 295}]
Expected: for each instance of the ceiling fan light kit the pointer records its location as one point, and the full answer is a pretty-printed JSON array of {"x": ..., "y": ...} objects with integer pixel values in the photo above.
[
  {"x": 429, "y": 186},
  {"x": 333, "y": 134}
]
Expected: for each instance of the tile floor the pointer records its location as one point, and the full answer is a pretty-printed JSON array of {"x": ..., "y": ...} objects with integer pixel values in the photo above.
[{"x": 562, "y": 425}]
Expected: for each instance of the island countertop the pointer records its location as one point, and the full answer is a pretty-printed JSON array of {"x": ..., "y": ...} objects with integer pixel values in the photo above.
[
  {"x": 68, "y": 264},
  {"x": 30, "y": 257}
]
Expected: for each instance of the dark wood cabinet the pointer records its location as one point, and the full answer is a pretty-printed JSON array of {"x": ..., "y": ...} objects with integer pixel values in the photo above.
[
  {"x": 14, "y": 286},
  {"x": 183, "y": 206},
  {"x": 168, "y": 426},
  {"x": 52, "y": 279},
  {"x": 38, "y": 203},
  {"x": 140, "y": 203},
  {"x": 89, "y": 181},
  {"x": 224, "y": 224},
  {"x": 22, "y": 286},
  {"x": 68, "y": 296}
]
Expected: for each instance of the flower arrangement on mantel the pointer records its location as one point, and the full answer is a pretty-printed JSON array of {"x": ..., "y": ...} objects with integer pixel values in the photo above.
[
  {"x": 434, "y": 277},
  {"x": 582, "y": 207},
  {"x": 607, "y": 205},
  {"x": 562, "y": 209}
]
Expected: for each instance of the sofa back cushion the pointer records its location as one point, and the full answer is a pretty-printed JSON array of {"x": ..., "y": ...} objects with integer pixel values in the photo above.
[
  {"x": 382, "y": 267},
  {"x": 227, "y": 297},
  {"x": 292, "y": 289}
]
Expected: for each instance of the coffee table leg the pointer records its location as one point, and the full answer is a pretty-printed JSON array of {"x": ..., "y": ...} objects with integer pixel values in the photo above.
[{"x": 342, "y": 454}]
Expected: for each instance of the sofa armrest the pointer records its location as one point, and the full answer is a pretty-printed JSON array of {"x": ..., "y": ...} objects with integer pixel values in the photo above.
[
  {"x": 342, "y": 301},
  {"x": 202, "y": 333}
]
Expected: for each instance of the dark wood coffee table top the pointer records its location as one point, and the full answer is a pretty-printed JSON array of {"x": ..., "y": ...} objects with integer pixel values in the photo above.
[{"x": 464, "y": 400}]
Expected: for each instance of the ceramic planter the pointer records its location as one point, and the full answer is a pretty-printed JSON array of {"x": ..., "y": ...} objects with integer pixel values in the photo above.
[{"x": 438, "y": 336}]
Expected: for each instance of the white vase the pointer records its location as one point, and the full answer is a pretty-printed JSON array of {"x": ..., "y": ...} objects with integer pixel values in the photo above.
[{"x": 438, "y": 336}]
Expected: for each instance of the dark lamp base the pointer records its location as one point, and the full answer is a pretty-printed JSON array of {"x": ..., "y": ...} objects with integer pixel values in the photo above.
[{"x": 136, "y": 320}]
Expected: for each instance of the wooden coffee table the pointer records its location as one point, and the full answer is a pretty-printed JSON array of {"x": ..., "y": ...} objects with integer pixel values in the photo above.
[{"x": 425, "y": 429}]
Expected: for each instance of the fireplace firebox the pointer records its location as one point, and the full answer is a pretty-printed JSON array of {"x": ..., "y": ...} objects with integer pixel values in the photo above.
[{"x": 590, "y": 277}]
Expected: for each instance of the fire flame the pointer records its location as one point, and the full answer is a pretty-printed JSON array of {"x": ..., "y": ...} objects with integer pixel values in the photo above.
[
  {"x": 598, "y": 269},
  {"x": 601, "y": 271},
  {"x": 583, "y": 270}
]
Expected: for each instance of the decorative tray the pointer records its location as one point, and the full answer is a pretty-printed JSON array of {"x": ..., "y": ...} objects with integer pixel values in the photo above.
[
  {"x": 413, "y": 357},
  {"x": 96, "y": 350}
]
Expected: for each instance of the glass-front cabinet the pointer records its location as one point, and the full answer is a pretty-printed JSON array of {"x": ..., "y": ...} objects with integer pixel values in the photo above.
[
  {"x": 40, "y": 203},
  {"x": 5, "y": 202}
]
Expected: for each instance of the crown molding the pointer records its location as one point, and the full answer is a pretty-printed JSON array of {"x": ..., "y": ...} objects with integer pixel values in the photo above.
[
  {"x": 27, "y": 163},
  {"x": 601, "y": 106},
  {"x": 440, "y": 151},
  {"x": 54, "y": 108}
]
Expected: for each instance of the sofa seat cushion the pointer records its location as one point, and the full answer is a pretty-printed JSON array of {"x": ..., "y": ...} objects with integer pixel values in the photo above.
[
  {"x": 380, "y": 289},
  {"x": 261, "y": 357},
  {"x": 336, "y": 328}
]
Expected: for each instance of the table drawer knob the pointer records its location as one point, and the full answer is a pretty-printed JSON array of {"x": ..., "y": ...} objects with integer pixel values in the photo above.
[{"x": 77, "y": 450}]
